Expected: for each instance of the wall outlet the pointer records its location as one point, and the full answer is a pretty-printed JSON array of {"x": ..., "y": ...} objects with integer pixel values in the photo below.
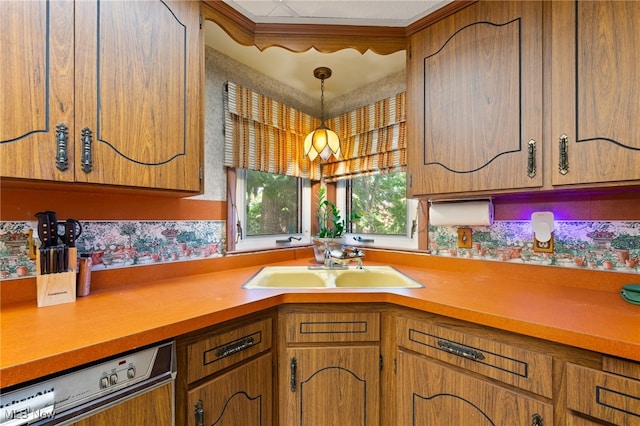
[
  {"x": 464, "y": 238},
  {"x": 543, "y": 247}
]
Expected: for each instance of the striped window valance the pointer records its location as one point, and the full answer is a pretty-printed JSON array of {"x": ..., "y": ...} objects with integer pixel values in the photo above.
[
  {"x": 372, "y": 139},
  {"x": 265, "y": 135}
]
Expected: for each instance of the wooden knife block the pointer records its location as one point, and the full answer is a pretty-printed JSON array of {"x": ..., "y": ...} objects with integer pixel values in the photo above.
[{"x": 55, "y": 289}]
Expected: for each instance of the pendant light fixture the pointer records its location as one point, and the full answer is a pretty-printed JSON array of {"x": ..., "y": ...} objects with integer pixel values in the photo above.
[{"x": 322, "y": 141}]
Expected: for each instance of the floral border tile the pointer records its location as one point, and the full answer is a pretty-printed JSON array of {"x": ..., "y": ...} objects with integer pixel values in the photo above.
[
  {"x": 113, "y": 244},
  {"x": 14, "y": 250},
  {"x": 598, "y": 245},
  {"x": 607, "y": 246}
]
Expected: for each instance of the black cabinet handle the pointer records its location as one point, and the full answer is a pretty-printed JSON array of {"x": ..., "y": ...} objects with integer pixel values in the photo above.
[
  {"x": 461, "y": 350},
  {"x": 62, "y": 147},
  {"x": 199, "y": 413},
  {"x": 233, "y": 347},
  {"x": 536, "y": 420},
  {"x": 87, "y": 156},
  {"x": 531, "y": 162},
  {"x": 294, "y": 368},
  {"x": 563, "y": 166}
]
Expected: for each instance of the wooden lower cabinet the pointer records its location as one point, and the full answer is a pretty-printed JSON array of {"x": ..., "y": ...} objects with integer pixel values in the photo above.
[
  {"x": 431, "y": 394},
  {"x": 243, "y": 396},
  {"x": 329, "y": 365},
  {"x": 601, "y": 395},
  {"x": 371, "y": 365},
  {"x": 225, "y": 374},
  {"x": 330, "y": 386}
]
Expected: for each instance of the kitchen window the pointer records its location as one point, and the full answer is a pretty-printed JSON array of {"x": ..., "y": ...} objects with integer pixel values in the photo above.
[
  {"x": 271, "y": 207},
  {"x": 263, "y": 135},
  {"x": 386, "y": 215}
]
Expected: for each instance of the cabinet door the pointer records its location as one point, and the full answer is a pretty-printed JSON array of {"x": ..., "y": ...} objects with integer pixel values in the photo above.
[
  {"x": 36, "y": 82},
  {"x": 330, "y": 386},
  {"x": 595, "y": 92},
  {"x": 474, "y": 100},
  {"x": 138, "y": 85},
  {"x": 242, "y": 396},
  {"x": 429, "y": 394}
]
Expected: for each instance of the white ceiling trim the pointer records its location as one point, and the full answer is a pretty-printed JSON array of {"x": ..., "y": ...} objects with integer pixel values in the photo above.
[{"x": 384, "y": 13}]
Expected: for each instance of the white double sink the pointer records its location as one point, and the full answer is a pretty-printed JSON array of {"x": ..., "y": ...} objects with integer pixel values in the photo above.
[{"x": 304, "y": 277}]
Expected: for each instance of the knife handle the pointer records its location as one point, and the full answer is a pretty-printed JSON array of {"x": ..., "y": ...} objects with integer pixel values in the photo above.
[
  {"x": 53, "y": 227},
  {"x": 72, "y": 230},
  {"x": 44, "y": 232},
  {"x": 44, "y": 260}
]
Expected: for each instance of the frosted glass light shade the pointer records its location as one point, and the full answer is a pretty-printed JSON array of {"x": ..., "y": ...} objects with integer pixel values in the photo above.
[{"x": 322, "y": 141}]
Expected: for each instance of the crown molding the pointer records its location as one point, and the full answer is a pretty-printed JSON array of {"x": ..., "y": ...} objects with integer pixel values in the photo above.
[{"x": 323, "y": 38}]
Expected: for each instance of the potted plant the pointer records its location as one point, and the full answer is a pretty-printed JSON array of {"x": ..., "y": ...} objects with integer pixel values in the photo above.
[
  {"x": 623, "y": 244},
  {"x": 332, "y": 226}
]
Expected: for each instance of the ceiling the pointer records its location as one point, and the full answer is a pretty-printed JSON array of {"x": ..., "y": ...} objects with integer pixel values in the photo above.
[
  {"x": 351, "y": 69},
  {"x": 384, "y": 13}
]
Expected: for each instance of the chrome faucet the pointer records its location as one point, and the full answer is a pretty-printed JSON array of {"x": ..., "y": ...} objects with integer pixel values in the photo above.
[{"x": 343, "y": 256}]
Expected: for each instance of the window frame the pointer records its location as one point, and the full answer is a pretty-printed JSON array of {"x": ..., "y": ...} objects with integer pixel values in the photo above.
[
  {"x": 261, "y": 242},
  {"x": 404, "y": 242}
]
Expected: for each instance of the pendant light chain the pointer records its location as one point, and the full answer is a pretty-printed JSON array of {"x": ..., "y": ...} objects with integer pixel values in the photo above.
[{"x": 322, "y": 100}]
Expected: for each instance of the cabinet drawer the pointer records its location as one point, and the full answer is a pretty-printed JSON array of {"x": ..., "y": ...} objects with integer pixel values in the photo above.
[
  {"x": 218, "y": 351},
  {"x": 621, "y": 367},
  {"x": 507, "y": 363},
  {"x": 332, "y": 327},
  {"x": 605, "y": 396}
]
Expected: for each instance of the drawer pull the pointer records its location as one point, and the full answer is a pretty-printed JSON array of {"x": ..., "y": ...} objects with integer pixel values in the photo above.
[
  {"x": 460, "y": 350},
  {"x": 234, "y": 347}
]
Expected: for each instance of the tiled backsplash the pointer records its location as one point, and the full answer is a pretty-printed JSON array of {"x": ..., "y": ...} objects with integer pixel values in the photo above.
[
  {"x": 610, "y": 246},
  {"x": 119, "y": 244}
]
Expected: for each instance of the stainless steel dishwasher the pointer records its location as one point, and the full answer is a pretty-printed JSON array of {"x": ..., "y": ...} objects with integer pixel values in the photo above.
[{"x": 134, "y": 388}]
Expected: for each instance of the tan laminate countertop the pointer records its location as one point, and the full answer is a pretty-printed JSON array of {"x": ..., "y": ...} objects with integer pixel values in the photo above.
[{"x": 40, "y": 341}]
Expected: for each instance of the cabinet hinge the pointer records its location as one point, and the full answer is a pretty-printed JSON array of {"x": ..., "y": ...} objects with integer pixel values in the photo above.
[
  {"x": 201, "y": 21},
  {"x": 380, "y": 362},
  {"x": 201, "y": 174},
  {"x": 410, "y": 52}
]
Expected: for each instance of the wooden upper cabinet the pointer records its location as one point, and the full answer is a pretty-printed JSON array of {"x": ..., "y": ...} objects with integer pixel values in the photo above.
[
  {"x": 129, "y": 91},
  {"x": 595, "y": 92},
  {"x": 36, "y": 83},
  {"x": 474, "y": 101},
  {"x": 138, "y": 73}
]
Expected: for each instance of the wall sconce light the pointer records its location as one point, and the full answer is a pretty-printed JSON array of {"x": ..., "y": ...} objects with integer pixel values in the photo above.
[{"x": 322, "y": 141}]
